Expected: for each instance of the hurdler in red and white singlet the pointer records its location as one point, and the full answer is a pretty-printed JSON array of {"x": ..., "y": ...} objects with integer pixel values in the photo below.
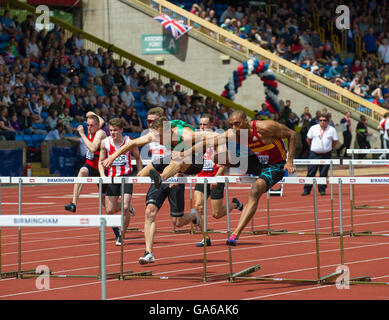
[
  {"x": 92, "y": 158},
  {"x": 122, "y": 164},
  {"x": 209, "y": 167}
]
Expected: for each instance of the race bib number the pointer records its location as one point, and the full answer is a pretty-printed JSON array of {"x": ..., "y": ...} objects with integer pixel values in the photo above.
[
  {"x": 120, "y": 160},
  {"x": 208, "y": 165},
  {"x": 263, "y": 159},
  {"x": 90, "y": 155}
]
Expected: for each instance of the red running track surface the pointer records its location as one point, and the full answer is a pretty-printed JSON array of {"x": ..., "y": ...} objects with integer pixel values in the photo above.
[{"x": 74, "y": 251}]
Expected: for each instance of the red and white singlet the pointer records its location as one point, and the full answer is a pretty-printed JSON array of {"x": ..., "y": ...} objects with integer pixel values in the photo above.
[
  {"x": 122, "y": 164},
  {"x": 209, "y": 167},
  {"x": 92, "y": 158}
]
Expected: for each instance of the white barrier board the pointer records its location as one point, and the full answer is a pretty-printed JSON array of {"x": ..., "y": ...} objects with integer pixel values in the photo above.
[
  {"x": 58, "y": 220},
  {"x": 359, "y": 180}
]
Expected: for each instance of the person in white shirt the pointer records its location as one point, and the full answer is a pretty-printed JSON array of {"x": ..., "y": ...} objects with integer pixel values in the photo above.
[
  {"x": 322, "y": 139},
  {"x": 383, "y": 51},
  {"x": 127, "y": 96}
]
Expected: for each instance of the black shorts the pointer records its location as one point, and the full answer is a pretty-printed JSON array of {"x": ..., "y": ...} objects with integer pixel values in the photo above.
[
  {"x": 92, "y": 172},
  {"x": 249, "y": 165},
  {"x": 195, "y": 168},
  {"x": 115, "y": 189},
  {"x": 216, "y": 193},
  {"x": 272, "y": 173},
  {"x": 175, "y": 195}
]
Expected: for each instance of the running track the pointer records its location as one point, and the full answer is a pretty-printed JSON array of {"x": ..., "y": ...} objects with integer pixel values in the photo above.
[{"x": 75, "y": 250}]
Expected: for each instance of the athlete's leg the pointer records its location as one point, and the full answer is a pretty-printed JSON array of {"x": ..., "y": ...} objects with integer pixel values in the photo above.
[
  {"x": 127, "y": 217},
  {"x": 145, "y": 171},
  {"x": 258, "y": 188},
  {"x": 78, "y": 186},
  {"x": 198, "y": 200},
  {"x": 150, "y": 226}
]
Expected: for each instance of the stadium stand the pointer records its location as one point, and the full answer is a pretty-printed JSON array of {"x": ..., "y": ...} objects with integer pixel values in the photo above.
[{"x": 304, "y": 33}]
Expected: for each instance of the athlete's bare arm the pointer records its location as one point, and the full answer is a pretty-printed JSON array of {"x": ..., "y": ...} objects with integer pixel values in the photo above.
[
  {"x": 95, "y": 145},
  {"x": 269, "y": 129},
  {"x": 138, "y": 142},
  {"x": 136, "y": 155},
  {"x": 101, "y": 120},
  {"x": 103, "y": 155}
]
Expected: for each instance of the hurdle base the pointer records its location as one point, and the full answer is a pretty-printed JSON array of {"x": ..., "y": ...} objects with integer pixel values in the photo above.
[
  {"x": 369, "y": 207},
  {"x": 269, "y": 232},
  {"x": 362, "y": 233},
  {"x": 135, "y": 275},
  {"x": 330, "y": 278},
  {"x": 134, "y": 229},
  {"x": 15, "y": 274},
  {"x": 345, "y": 233},
  {"x": 244, "y": 272}
]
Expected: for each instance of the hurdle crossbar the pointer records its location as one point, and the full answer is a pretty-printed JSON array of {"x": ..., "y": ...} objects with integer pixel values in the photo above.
[
  {"x": 352, "y": 181},
  {"x": 242, "y": 275}
]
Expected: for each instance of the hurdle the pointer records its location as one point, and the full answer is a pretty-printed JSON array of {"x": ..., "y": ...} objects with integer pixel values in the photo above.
[
  {"x": 101, "y": 221},
  {"x": 362, "y": 180},
  {"x": 355, "y": 180},
  {"x": 15, "y": 273},
  {"x": 320, "y": 280},
  {"x": 20, "y": 181},
  {"x": 187, "y": 180}
]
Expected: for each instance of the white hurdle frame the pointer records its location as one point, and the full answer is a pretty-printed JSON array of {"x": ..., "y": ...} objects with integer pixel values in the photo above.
[
  {"x": 298, "y": 162},
  {"x": 20, "y": 181},
  {"x": 352, "y": 181},
  {"x": 320, "y": 280},
  {"x": 101, "y": 221}
]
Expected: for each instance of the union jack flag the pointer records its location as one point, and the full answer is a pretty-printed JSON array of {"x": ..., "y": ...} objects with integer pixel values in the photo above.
[{"x": 177, "y": 29}]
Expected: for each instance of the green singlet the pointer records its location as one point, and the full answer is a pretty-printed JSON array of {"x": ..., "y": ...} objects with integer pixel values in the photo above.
[{"x": 180, "y": 125}]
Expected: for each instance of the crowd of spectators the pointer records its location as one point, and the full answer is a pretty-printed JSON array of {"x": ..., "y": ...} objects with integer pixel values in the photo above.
[
  {"x": 289, "y": 33},
  {"x": 49, "y": 83}
]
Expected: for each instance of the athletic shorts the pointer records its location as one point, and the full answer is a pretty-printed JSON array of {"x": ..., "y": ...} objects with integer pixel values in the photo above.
[
  {"x": 92, "y": 172},
  {"x": 216, "y": 193},
  {"x": 195, "y": 168},
  {"x": 176, "y": 197},
  {"x": 115, "y": 189},
  {"x": 272, "y": 173}
]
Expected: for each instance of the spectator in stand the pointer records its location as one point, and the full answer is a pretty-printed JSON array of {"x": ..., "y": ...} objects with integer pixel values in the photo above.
[
  {"x": 334, "y": 72},
  {"x": 127, "y": 97},
  {"x": 383, "y": 51},
  {"x": 6, "y": 128},
  {"x": 264, "y": 111},
  {"x": 369, "y": 42}
]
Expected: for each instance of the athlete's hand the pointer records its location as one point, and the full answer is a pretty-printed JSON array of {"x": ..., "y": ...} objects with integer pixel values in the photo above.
[
  {"x": 106, "y": 163},
  {"x": 80, "y": 129},
  {"x": 289, "y": 166}
]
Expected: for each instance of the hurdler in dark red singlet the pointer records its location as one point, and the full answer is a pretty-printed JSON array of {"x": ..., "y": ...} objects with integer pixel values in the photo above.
[{"x": 267, "y": 153}]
